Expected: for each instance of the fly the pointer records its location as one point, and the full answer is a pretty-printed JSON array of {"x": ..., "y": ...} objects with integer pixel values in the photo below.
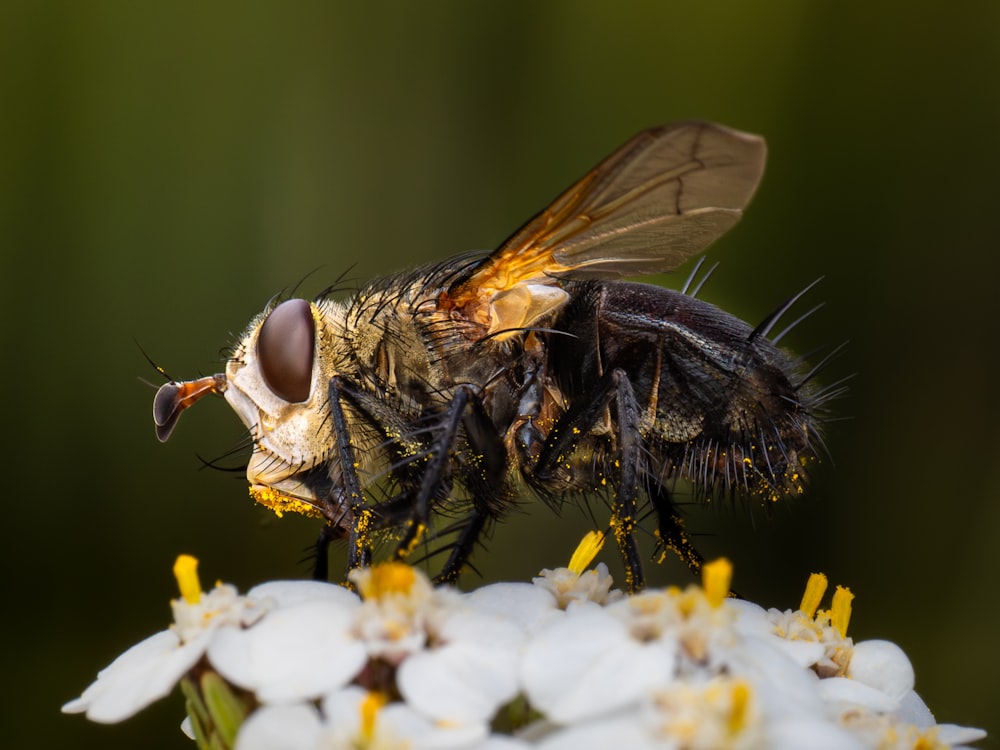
[{"x": 463, "y": 382}]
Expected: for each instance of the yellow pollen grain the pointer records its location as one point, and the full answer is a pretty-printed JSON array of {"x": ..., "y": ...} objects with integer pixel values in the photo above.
[
  {"x": 815, "y": 588},
  {"x": 715, "y": 579},
  {"x": 415, "y": 542},
  {"x": 586, "y": 551},
  {"x": 280, "y": 503},
  {"x": 186, "y": 573},
  {"x": 364, "y": 521},
  {"x": 840, "y": 611}
]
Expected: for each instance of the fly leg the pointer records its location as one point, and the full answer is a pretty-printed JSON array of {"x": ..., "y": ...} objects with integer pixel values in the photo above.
[
  {"x": 472, "y": 529},
  {"x": 359, "y": 535},
  {"x": 482, "y": 473},
  {"x": 425, "y": 475},
  {"x": 484, "y": 476},
  {"x": 321, "y": 552},
  {"x": 362, "y": 521},
  {"x": 614, "y": 386},
  {"x": 436, "y": 478},
  {"x": 672, "y": 535}
]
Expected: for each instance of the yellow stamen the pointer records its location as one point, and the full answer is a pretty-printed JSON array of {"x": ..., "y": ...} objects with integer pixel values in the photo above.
[
  {"x": 715, "y": 579},
  {"x": 813, "y": 595},
  {"x": 740, "y": 708},
  {"x": 387, "y": 578},
  {"x": 186, "y": 573},
  {"x": 370, "y": 707},
  {"x": 586, "y": 551},
  {"x": 840, "y": 610}
]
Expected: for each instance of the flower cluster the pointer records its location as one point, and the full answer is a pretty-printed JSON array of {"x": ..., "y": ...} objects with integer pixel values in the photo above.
[{"x": 563, "y": 662}]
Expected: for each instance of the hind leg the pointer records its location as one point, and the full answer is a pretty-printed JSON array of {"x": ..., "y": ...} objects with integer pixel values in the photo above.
[
  {"x": 614, "y": 388},
  {"x": 671, "y": 532}
]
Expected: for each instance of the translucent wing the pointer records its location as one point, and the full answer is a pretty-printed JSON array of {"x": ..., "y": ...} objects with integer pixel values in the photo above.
[{"x": 656, "y": 201}]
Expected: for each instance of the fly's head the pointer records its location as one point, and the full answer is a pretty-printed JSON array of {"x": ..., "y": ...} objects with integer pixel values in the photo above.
[{"x": 277, "y": 383}]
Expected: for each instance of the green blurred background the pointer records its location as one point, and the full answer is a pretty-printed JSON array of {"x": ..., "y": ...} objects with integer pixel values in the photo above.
[{"x": 165, "y": 169}]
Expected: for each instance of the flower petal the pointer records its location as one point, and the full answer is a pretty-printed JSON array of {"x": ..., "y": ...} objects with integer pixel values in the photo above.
[
  {"x": 459, "y": 682},
  {"x": 587, "y": 664},
  {"x": 913, "y": 710},
  {"x": 146, "y": 672},
  {"x": 953, "y": 734},
  {"x": 292, "y": 727},
  {"x": 526, "y": 605},
  {"x": 883, "y": 666},
  {"x": 614, "y": 732},
  {"x": 295, "y": 652},
  {"x": 398, "y": 723},
  {"x": 794, "y": 734},
  {"x": 288, "y": 593},
  {"x": 848, "y": 693}
]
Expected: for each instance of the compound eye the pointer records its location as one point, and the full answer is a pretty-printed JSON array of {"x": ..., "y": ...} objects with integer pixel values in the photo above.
[{"x": 285, "y": 350}]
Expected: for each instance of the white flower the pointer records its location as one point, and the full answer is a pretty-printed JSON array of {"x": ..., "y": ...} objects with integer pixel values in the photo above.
[
  {"x": 808, "y": 631},
  {"x": 873, "y": 674},
  {"x": 407, "y": 665},
  {"x": 400, "y": 608},
  {"x": 576, "y": 583},
  {"x": 149, "y": 670},
  {"x": 598, "y": 660},
  {"x": 454, "y": 662},
  {"x": 351, "y": 719}
]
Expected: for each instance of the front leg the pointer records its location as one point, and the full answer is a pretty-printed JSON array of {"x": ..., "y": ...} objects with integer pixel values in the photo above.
[
  {"x": 424, "y": 468},
  {"x": 483, "y": 476},
  {"x": 436, "y": 477},
  {"x": 359, "y": 534}
]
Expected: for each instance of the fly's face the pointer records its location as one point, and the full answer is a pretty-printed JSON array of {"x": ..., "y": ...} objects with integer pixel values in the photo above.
[
  {"x": 276, "y": 386},
  {"x": 276, "y": 383}
]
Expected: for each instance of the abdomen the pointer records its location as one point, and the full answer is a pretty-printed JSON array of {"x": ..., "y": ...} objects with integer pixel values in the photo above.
[{"x": 720, "y": 406}]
